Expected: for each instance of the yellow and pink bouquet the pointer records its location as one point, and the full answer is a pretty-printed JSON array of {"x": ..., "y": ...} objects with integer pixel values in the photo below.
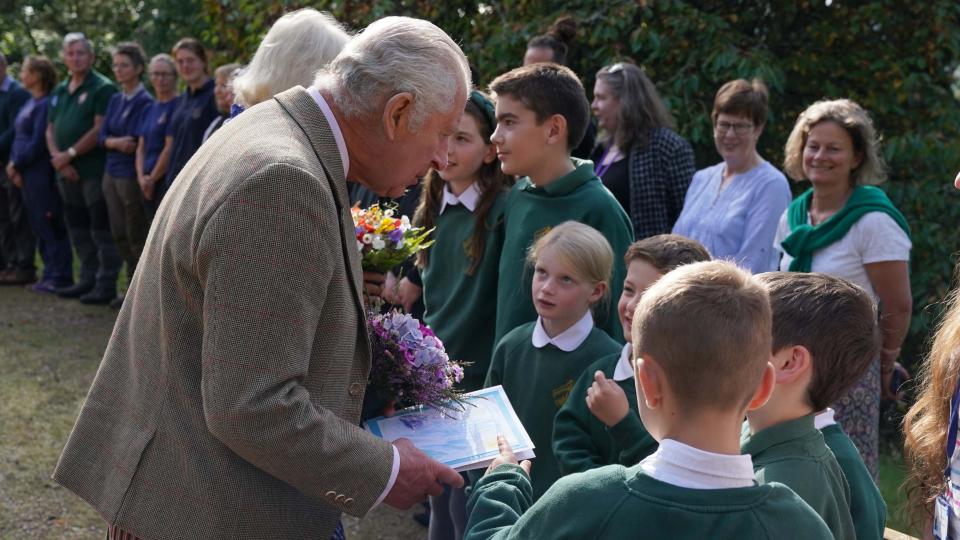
[{"x": 384, "y": 240}]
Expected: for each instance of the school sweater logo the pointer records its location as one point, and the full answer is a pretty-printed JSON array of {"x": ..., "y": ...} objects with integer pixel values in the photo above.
[
  {"x": 561, "y": 393},
  {"x": 81, "y": 98}
]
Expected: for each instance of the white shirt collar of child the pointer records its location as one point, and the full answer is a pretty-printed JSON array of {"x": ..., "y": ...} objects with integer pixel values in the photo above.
[
  {"x": 334, "y": 127},
  {"x": 824, "y": 419},
  {"x": 468, "y": 198},
  {"x": 682, "y": 465},
  {"x": 624, "y": 368},
  {"x": 569, "y": 339}
]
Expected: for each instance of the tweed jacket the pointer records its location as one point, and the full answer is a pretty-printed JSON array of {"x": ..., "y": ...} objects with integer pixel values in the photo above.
[
  {"x": 227, "y": 402},
  {"x": 659, "y": 174}
]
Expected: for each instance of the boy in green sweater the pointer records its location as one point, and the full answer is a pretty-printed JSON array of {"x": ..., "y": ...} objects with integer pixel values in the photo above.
[
  {"x": 693, "y": 394},
  {"x": 824, "y": 338},
  {"x": 542, "y": 113},
  {"x": 600, "y": 424}
]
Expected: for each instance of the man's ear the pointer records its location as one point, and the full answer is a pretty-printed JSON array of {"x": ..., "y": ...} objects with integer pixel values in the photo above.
[
  {"x": 396, "y": 115},
  {"x": 557, "y": 132},
  {"x": 764, "y": 389},
  {"x": 796, "y": 362},
  {"x": 650, "y": 379}
]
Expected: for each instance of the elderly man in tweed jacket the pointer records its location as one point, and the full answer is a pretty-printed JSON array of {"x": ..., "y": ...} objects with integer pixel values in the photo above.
[{"x": 227, "y": 402}]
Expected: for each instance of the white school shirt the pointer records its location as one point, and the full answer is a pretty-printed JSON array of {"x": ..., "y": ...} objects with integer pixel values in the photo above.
[
  {"x": 682, "y": 465},
  {"x": 876, "y": 237},
  {"x": 569, "y": 339},
  {"x": 624, "y": 369},
  {"x": 469, "y": 198}
]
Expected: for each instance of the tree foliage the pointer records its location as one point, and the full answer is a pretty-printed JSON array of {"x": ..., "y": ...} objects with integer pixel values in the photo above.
[{"x": 897, "y": 59}]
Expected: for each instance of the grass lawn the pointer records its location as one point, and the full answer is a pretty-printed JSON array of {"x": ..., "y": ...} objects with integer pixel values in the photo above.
[{"x": 49, "y": 352}]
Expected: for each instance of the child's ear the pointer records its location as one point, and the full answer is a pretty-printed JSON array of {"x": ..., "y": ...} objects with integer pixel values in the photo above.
[
  {"x": 650, "y": 381},
  {"x": 557, "y": 134},
  {"x": 490, "y": 154},
  {"x": 796, "y": 362},
  {"x": 396, "y": 115},
  {"x": 764, "y": 389},
  {"x": 599, "y": 289}
]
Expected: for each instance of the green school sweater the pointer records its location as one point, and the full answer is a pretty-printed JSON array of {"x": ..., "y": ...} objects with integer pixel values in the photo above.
[
  {"x": 867, "y": 507},
  {"x": 461, "y": 308},
  {"x": 530, "y": 212},
  {"x": 582, "y": 442},
  {"x": 616, "y": 502},
  {"x": 795, "y": 454},
  {"x": 538, "y": 381}
]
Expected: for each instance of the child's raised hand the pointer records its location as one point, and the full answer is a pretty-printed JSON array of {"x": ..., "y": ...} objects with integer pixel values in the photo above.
[
  {"x": 606, "y": 400},
  {"x": 507, "y": 457}
]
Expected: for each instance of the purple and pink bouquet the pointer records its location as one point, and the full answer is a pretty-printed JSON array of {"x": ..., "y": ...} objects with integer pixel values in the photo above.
[{"x": 410, "y": 366}]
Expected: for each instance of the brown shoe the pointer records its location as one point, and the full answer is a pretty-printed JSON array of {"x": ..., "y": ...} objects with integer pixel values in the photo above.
[{"x": 18, "y": 277}]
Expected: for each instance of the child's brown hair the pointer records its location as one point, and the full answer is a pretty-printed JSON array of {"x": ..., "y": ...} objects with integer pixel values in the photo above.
[
  {"x": 707, "y": 325},
  {"x": 833, "y": 319},
  {"x": 666, "y": 252}
]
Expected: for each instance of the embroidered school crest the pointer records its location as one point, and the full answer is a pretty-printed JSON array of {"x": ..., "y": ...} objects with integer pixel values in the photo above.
[
  {"x": 81, "y": 98},
  {"x": 197, "y": 111},
  {"x": 163, "y": 119},
  {"x": 561, "y": 393}
]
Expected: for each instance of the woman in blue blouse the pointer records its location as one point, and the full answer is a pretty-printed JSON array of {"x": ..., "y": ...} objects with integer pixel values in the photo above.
[
  {"x": 639, "y": 158},
  {"x": 154, "y": 147},
  {"x": 118, "y": 135},
  {"x": 733, "y": 207},
  {"x": 195, "y": 109},
  {"x": 30, "y": 170}
]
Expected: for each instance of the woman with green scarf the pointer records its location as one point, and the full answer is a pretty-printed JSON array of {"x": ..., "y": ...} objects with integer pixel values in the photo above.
[{"x": 846, "y": 228}]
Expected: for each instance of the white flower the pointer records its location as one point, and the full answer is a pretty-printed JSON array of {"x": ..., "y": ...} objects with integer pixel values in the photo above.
[
  {"x": 404, "y": 224},
  {"x": 388, "y": 212},
  {"x": 367, "y": 238},
  {"x": 378, "y": 242}
]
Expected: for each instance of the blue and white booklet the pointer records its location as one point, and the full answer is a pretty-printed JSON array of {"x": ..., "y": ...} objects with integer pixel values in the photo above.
[{"x": 462, "y": 440}]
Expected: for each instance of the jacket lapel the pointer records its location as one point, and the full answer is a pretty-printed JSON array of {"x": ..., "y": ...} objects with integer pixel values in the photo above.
[{"x": 305, "y": 111}]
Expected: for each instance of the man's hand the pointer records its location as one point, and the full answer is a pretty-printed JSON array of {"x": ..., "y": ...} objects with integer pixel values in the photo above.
[
  {"x": 507, "y": 457},
  {"x": 408, "y": 293},
  {"x": 606, "y": 400},
  {"x": 60, "y": 160},
  {"x": 11, "y": 170},
  {"x": 16, "y": 180},
  {"x": 419, "y": 476},
  {"x": 373, "y": 283},
  {"x": 69, "y": 173}
]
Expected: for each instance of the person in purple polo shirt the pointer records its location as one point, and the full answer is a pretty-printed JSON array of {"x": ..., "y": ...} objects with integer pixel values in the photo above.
[{"x": 118, "y": 135}]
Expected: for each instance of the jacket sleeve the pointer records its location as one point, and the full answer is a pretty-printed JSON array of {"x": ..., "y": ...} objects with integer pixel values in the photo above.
[
  {"x": 24, "y": 155},
  {"x": 678, "y": 169},
  {"x": 18, "y": 97},
  {"x": 266, "y": 258}
]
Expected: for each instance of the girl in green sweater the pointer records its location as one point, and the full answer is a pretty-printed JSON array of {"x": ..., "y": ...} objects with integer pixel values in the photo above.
[
  {"x": 537, "y": 363},
  {"x": 464, "y": 202}
]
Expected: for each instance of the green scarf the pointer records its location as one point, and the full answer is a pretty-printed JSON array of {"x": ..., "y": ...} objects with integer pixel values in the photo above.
[{"x": 804, "y": 238}]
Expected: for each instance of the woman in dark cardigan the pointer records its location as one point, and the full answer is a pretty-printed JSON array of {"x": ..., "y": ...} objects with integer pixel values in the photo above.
[{"x": 641, "y": 160}]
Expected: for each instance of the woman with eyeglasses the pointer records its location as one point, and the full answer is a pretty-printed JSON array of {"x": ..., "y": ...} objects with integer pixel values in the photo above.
[
  {"x": 639, "y": 157},
  {"x": 153, "y": 147},
  {"x": 733, "y": 207}
]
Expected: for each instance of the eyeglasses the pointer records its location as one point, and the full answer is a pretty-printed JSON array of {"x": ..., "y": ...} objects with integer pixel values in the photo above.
[
  {"x": 162, "y": 74},
  {"x": 739, "y": 129}
]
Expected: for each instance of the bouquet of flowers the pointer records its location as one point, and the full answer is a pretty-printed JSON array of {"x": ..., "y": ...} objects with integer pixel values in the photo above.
[
  {"x": 383, "y": 240},
  {"x": 410, "y": 366}
]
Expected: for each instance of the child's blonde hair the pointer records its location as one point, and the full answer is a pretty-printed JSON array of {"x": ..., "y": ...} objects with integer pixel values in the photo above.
[
  {"x": 582, "y": 248},
  {"x": 708, "y": 326},
  {"x": 926, "y": 423}
]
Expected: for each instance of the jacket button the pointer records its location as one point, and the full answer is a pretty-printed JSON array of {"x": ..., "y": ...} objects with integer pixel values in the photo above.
[{"x": 355, "y": 389}]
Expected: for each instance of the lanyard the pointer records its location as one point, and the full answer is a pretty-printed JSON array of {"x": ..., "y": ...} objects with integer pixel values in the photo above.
[
  {"x": 952, "y": 430},
  {"x": 601, "y": 168}
]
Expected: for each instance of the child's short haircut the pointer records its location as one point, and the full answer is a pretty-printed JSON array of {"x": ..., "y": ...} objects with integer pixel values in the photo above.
[
  {"x": 832, "y": 318},
  {"x": 548, "y": 89},
  {"x": 707, "y": 325},
  {"x": 581, "y": 247},
  {"x": 666, "y": 252}
]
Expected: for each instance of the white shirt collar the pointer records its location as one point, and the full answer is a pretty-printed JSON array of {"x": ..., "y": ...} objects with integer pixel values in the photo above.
[
  {"x": 824, "y": 419},
  {"x": 682, "y": 465},
  {"x": 468, "y": 198},
  {"x": 624, "y": 368},
  {"x": 334, "y": 126},
  {"x": 569, "y": 339}
]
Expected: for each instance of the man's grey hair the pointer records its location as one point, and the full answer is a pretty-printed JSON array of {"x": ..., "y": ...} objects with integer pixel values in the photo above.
[
  {"x": 74, "y": 37},
  {"x": 297, "y": 45},
  {"x": 394, "y": 55}
]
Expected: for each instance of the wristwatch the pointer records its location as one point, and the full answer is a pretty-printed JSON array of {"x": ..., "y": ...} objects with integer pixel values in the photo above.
[{"x": 72, "y": 152}]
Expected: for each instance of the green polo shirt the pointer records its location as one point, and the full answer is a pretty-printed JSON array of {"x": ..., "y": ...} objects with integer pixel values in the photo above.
[
  {"x": 794, "y": 453},
  {"x": 532, "y": 211},
  {"x": 72, "y": 115}
]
